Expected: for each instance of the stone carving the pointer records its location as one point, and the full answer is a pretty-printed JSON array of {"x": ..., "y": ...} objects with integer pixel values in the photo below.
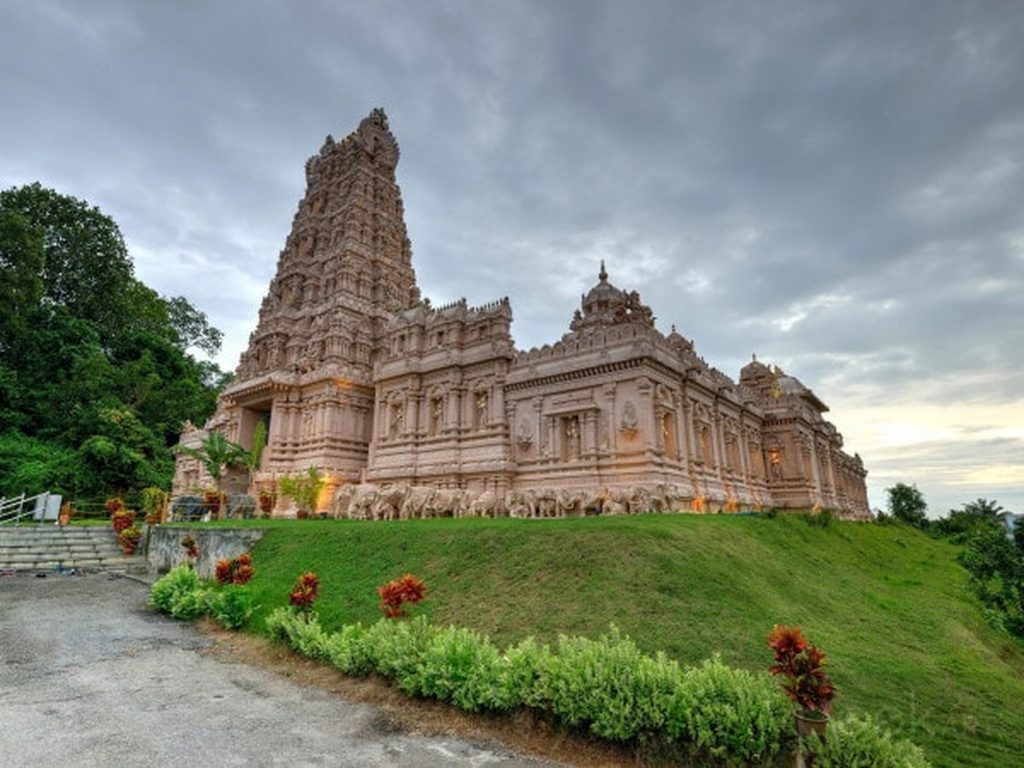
[
  {"x": 415, "y": 411},
  {"x": 481, "y": 410},
  {"x": 524, "y": 436},
  {"x": 630, "y": 422}
]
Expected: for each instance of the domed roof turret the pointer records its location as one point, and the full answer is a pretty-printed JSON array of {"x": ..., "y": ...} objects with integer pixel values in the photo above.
[{"x": 605, "y": 304}]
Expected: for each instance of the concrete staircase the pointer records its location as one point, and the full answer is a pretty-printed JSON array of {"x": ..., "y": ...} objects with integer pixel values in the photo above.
[{"x": 45, "y": 547}]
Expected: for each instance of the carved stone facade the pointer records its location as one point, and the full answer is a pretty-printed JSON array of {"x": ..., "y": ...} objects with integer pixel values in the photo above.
[{"x": 414, "y": 411}]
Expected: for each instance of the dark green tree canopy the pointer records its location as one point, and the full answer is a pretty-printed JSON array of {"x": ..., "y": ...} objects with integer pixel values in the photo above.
[
  {"x": 906, "y": 503},
  {"x": 94, "y": 365},
  {"x": 21, "y": 264},
  {"x": 86, "y": 269}
]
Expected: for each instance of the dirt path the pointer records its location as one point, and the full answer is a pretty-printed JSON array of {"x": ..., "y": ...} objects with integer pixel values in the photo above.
[{"x": 90, "y": 677}]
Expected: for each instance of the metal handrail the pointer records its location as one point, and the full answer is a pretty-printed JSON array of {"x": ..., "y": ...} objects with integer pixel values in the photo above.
[{"x": 13, "y": 510}]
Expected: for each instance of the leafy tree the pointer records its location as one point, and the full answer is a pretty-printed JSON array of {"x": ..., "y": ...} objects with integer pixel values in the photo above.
[
  {"x": 906, "y": 503},
  {"x": 996, "y": 566},
  {"x": 192, "y": 326},
  {"x": 21, "y": 261},
  {"x": 29, "y": 465},
  {"x": 123, "y": 454},
  {"x": 92, "y": 361},
  {"x": 86, "y": 267},
  {"x": 970, "y": 516}
]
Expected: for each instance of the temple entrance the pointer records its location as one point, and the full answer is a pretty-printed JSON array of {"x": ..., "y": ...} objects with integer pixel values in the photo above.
[{"x": 251, "y": 416}]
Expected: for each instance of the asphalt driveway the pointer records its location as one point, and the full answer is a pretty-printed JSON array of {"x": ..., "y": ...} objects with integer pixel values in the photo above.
[{"x": 90, "y": 677}]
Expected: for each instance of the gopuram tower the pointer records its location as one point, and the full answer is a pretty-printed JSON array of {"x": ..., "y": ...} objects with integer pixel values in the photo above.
[{"x": 344, "y": 270}]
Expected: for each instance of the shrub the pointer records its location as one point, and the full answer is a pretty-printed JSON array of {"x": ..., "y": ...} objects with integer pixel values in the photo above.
[
  {"x": 822, "y": 519},
  {"x": 231, "y": 606},
  {"x": 190, "y": 605},
  {"x": 397, "y": 593},
  {"x": 730, "y": 715},
  {"x": 304, "y": 489},
  {"x": 861, "y": 743},
  {"x": 802, "y": 666},
  {"x": 396, "y": 648},
  {"x": 608, "y": 686},
  {"x": 237, "y": 570},
  {"x": 299, "y": 631},
  {"x": 166, "y": 590},
  {"x": 522, "y": 669},
  {"x": 348, "y": 652},
  {"x": 304, "y": 593},
  {"x": 276, "y": 623},
  {"x": 464, "y": 668}
]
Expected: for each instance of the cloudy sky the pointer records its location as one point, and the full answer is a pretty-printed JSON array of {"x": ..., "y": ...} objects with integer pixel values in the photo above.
[{"x": 838, "y": 187}]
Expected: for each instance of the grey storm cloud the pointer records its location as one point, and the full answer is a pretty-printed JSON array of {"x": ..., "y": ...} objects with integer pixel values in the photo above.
[{"x": 835, "y": 186}]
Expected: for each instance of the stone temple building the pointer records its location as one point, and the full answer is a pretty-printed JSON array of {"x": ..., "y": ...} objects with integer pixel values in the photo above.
[{"x": 416, "y": 411}]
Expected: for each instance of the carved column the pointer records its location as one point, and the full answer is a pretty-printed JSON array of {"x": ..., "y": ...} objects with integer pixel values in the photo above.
[
  {"x": 542, "y": 446},
  {"x": 609, "y": 418},
  {"x": 646, "y": 396}
]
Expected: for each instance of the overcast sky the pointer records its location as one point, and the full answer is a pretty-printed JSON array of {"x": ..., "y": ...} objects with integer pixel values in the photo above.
[{"x": 838, "y": 187}]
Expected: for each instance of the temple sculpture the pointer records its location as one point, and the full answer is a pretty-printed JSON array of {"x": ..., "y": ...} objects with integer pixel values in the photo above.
[{"x": 417, "y": 411}]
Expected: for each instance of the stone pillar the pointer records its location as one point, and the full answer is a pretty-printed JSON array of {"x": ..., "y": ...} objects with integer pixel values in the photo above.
[
  {"x": 588, "y": 425},
  {"x": 692, "y": 451},
  {"x": 609, "y": 417},
  {"x": 498, "y": 399}
]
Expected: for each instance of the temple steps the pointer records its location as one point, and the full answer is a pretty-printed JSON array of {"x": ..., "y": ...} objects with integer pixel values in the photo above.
[{"x": 47, "y": 547}]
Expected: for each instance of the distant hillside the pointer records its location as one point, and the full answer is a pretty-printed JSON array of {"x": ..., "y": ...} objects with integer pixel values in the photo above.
[{"x": 905, "y": 639}]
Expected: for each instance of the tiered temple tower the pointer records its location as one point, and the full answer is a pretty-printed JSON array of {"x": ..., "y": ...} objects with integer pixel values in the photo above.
[{"x": 346, "y": 268}]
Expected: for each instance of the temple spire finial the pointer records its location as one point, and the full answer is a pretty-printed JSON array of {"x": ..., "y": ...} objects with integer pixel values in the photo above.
[{"x": 602, "y": 275}]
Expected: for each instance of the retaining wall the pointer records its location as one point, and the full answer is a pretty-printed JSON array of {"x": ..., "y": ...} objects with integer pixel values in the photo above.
[{"x": 165, "y": 550}]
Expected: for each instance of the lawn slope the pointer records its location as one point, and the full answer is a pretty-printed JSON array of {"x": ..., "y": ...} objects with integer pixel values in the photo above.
[{"x": 906, "y": 641}]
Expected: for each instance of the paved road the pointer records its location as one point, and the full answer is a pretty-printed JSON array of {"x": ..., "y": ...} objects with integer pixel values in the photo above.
[{"x": 89, "y": 677}]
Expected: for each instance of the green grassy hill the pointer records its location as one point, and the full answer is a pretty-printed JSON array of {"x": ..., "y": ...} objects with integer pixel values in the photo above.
[{"x": 906, "y": 641}]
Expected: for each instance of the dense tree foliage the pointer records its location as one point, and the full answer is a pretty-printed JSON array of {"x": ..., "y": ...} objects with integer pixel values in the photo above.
[
  {"x": 996, "y": 564},
  {"x": 95, "y": 372},
  {"x": 907, "y": 504},
  {"x": 961, "y": 522}
]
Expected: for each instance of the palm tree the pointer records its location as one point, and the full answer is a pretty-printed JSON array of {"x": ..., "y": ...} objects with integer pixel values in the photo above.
[{"x": 216, "y": 453}]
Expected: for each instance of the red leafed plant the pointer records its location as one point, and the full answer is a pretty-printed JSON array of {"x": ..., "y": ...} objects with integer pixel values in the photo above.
[
  {"x": 191, "y": 547},
  {"x": 122, "y": 519},
  {"x": 802, "y": 666},
  {"x": 304, "y": 593},
  {"x": 395, "y": 594},
  {"x": 237, "y": 570},
  {"x": 114, "y": 505}
]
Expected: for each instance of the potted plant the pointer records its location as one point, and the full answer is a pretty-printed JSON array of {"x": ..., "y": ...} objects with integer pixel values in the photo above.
[
  {"x": 65, "y": 515},
  {"x": 153, "y": 502},
  {"x": 805, "y": 679},
  {"x": 304, "y": 490},
  {"x": 212, "y": 502},
  {"x": 129, "y": 539},
  {"x": 267, "y": 500},
  {"x": 122, "y": 519}
]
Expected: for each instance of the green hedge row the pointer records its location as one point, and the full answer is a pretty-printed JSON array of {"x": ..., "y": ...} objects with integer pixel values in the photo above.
[
  {"x": 711, "y": 714},
  {"x": 182, "y": 595},
  {"x": 714, "y": 714}
]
